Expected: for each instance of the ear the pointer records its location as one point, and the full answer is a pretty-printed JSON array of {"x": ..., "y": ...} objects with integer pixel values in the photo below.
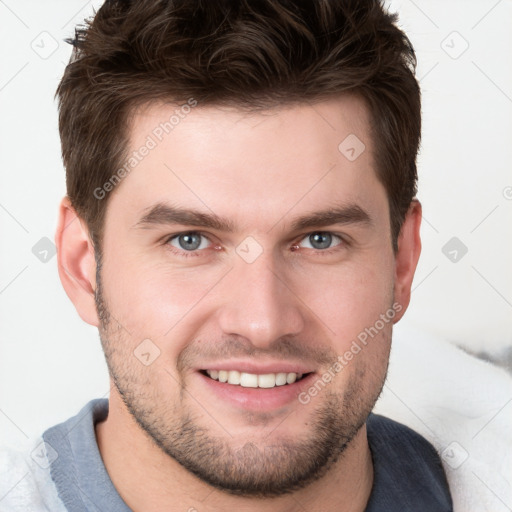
[
  {"x": 407, "y": 256},
  {"x": 76, "y": 262}
]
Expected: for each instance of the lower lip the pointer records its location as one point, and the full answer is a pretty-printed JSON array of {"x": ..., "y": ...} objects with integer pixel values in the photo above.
[{"x": 257, "y": 399}]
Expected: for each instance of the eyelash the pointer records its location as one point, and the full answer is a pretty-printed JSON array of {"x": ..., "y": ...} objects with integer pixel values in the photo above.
[{"x": 192, "y": 254}]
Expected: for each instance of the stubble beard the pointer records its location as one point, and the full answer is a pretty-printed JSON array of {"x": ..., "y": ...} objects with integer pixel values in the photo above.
[{"x": 262, "y": 468}]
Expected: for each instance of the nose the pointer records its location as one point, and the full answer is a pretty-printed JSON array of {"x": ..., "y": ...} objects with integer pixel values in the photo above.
[{"x": 260, "y": 304}]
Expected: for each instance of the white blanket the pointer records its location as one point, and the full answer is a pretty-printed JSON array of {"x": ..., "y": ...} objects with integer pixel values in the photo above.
[
  {"x": 463, "y": 406},
  {"x": 25, "y": 480}
]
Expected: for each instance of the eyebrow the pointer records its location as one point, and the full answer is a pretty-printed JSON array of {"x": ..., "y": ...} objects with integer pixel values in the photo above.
[{"x": 162, "y": 214}]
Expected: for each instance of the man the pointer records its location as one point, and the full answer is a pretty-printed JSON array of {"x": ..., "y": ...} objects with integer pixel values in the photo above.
[{"x": 241, "y": 226}]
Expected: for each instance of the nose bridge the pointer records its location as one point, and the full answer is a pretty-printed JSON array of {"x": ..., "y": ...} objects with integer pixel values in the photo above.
[{"x": 258, "y": 304}]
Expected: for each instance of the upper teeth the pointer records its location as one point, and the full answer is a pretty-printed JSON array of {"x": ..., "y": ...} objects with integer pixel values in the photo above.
[{"x": 252, "y": 380}]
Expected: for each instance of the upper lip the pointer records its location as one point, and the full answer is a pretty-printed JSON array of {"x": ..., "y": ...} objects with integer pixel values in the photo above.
[{"x": 259, "y": 368}]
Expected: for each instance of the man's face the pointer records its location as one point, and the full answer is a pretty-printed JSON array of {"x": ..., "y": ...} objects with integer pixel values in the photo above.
[{"x": 267, "y": 296}]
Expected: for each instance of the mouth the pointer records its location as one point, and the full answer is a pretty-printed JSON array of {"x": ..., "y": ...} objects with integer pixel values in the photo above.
[
  {"x": 250, "y": 385},
  {"x": 254, "y": 380}
]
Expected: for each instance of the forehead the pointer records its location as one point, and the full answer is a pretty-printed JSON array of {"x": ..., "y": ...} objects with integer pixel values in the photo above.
[{"x": 255, "y": 167}]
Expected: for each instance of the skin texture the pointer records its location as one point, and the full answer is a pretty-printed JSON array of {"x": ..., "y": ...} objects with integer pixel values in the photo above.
[{"x": 170, "y": 441}]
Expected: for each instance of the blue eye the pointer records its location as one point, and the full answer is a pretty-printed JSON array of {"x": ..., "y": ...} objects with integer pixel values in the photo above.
[
  {"x": 321, "y": 240},
  {"x": 193, "y": 243},
  {"x": 189, "y": 241}
]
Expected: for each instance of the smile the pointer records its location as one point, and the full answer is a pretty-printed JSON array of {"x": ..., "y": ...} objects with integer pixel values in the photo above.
[{"x": 253, "y": 380}]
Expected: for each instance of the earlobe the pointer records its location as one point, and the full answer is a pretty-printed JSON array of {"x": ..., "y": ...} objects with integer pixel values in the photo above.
[
  {"x": 76, "y": 262},
  {"x": 407, "y": 256}
]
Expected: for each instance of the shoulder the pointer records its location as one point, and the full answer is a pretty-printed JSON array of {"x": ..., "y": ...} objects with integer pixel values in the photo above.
[
  {"x": 29, "y": 474},
  {"x": 25, "y": 480},
  {"x": 408, "y": 472},
  {"x": 387, "y": 437}
]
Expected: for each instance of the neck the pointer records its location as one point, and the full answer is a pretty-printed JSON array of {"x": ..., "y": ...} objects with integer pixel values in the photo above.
[{"x": 148, "y": 480}]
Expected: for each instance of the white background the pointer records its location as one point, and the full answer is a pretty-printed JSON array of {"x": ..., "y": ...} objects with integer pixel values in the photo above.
[{"x": 51, "y": 362}]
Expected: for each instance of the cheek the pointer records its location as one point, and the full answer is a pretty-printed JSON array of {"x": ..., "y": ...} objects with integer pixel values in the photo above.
[
  {"x": 349, "y": 298},
  {"x": 152, "y": 300}
]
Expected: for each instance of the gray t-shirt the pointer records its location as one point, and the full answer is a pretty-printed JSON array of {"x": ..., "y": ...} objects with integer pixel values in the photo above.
[{"x": 408, "y": 475}]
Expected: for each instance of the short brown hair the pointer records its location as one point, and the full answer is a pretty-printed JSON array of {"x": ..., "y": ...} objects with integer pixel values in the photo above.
[{"x": 248, "y": 53}]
